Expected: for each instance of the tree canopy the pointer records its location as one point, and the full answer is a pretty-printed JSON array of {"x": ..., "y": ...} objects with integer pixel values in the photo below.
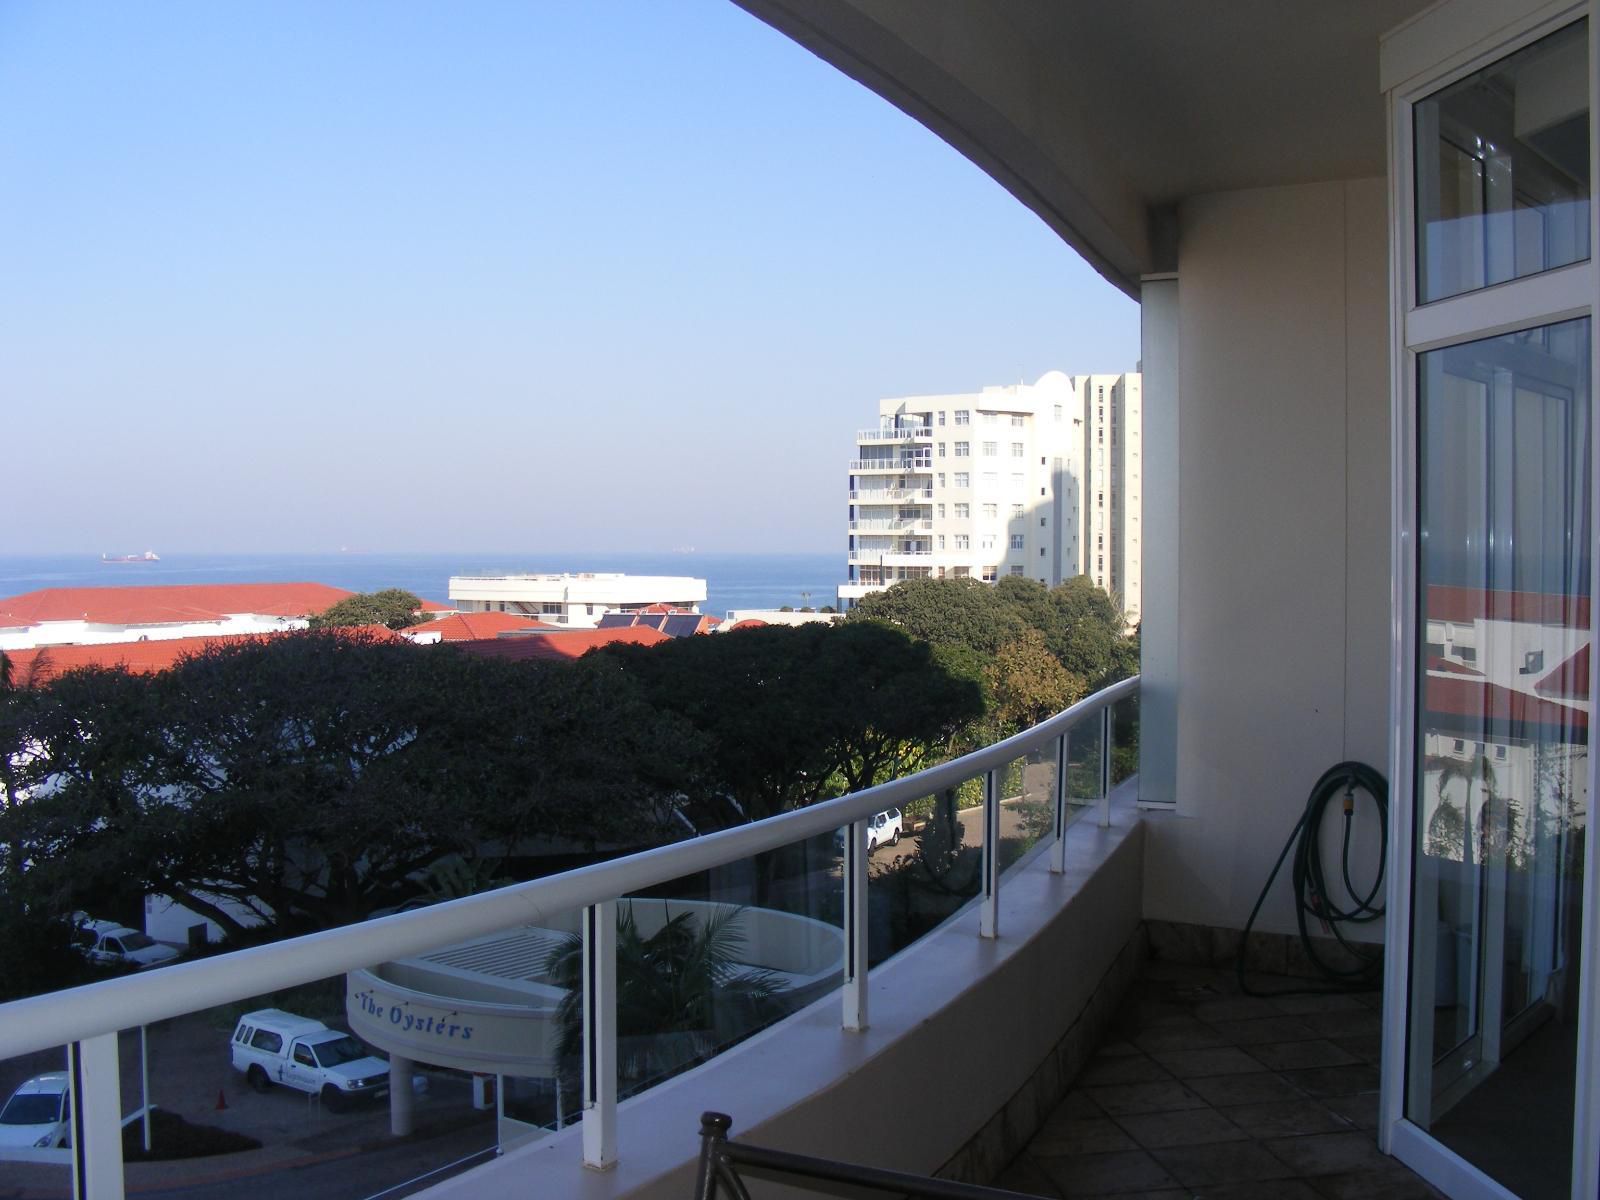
[{"x": 392, "y": 607}]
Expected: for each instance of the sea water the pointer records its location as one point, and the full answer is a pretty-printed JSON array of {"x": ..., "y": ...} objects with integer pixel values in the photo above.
[{"x": 733, "y": 581}]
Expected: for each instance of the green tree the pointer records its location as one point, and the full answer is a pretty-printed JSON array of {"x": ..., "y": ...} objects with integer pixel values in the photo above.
[
  {"x": 394, "y": 608},
  {"x": 682, "y": 993},
  {"x": 964, "y": 612},
  {"x": 1028, "y": 683}
]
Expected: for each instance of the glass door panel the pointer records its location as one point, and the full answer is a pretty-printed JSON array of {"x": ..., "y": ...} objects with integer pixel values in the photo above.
[{"x": 1502, "y": 686}]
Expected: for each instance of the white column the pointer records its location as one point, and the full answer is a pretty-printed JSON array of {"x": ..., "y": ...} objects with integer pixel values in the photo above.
[
  {"x": 1159, "y": 567},
  {"x": 600, "y": 1036},
  {"x": 402, "y": 1097},
  {"x": 989, "y": 906},
  {"x": 96, "y": 1118},
  {"x": 854, "y": 990}
]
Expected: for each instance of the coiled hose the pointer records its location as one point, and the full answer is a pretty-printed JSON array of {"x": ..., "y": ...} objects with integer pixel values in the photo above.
[{"x": 1312, "y": 898}]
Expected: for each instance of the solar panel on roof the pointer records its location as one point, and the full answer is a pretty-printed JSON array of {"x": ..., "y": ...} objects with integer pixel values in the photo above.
[
  {"x": 615, "y": 621},
  {"x": 681, "y": 625}
]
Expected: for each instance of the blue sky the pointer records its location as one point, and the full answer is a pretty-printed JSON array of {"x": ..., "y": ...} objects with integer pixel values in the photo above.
[{"x": 533, "y": 276}]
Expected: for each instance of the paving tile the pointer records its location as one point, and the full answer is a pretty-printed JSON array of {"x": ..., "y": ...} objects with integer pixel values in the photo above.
[
  {"x": 1027, "y": 1177},
  {"x": 1353, "y": 1023},
  {"x": 1271, "y": 1189},
  {"x": 1077, "y": 1103},
  {"x": 1285, "y": 1118},
  {"x": 1191, "y": 1035},
  {"x": 1191, "y": 1064},
  {"x": 1081, "y": 1135},
  {"x": 1187, "y": 1127},
  {"x": 1318, "y": 1002},
  {"x": 1118, "y": 1047},
  {"x": 1292, "y": 1056},
  {"x": 1131, "y": 1098},
  {"x": 1101, "y": 1174},
  {"x": 1329, "y": 1153},
  {"x": 1235, "y": 1008},
  {"x": 1335, "y": 1081},
  {"x": 1120, "y": 1068},
  {"x": 1258, "y": 1030},
  {"x": 1262, "y": 1087},
  {"x": 1394, "y": 1183},
  {"x": 1229, "y": 1162},
  {"x": 1361, "y": 1111},
  {"x": 1367, "y": 1047}
]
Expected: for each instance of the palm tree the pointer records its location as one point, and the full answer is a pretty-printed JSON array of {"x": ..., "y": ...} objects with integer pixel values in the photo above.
[{"x": 682, "y": 993}]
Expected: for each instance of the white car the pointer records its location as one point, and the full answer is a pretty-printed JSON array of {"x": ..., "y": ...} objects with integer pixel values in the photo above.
[
  {"x": 111, "y": 944},
  {"x": 272, "y": 1046},
  {"x": 882, "y": 830},
  {"x": 38, "y": 1114}
]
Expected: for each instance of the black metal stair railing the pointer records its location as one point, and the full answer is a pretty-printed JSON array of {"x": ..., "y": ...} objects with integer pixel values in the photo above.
[{"x": 720, "y": 1160}]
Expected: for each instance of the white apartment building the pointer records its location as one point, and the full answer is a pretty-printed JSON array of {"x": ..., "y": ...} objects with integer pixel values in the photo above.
[
  {"x": 1035, "y": 480},
  {"x": 576, "y": 600}
]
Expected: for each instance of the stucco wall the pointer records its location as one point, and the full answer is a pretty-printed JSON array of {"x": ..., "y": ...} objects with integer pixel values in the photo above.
[{"x": 1283, "y": 531}]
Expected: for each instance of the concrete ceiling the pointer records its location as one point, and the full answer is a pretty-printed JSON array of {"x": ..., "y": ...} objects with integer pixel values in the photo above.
[{"x": 1102, "y": 115}]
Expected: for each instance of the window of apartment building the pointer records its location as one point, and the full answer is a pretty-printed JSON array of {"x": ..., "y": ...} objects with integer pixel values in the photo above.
[
  {"x": 990, "y": 418},
  {"x": 1016, "y": 541},
  {"x": 1016, "y": 570},
  {"x": 963, "y": 479},
  {"x": 941, "y": 418},
  {"x": 1100, "y": 563},
  {"x": 548, "y": 606},
  {"x": 1100, "y": 436},
  {"x": 991, "y": 449},
  {"x": 991, "y": 510},
  {"x": 1041, "y": 551},
  {"x": 940, "y": 509},
  {"x": 1100, "y": 542},
  {"x": 941, "y": 449},
  {"x": 1016, "y": 450},
  {"x": 1016, "y": 510},
  {"x": 962, "y": 541},
  {"x": 963, "y": 417},
  {"x": 941, "y": 541},
  {"x": 991, "y": 479},
  {"x": 986, "y": 542},
  {"x": 963, "y": 511},
  {"x": 939, "y": 478},
  {"x": 959, "y": 572},
  {"x": 1016, "y": 420},
  {"x": 1041, "y": 522},
  {"x": 1058, "y": 412},
  {"x": 1041, "y": 491},
  {"x": 1102, "y": 500},
  {"x": 963, "y": 449},
  {"x": 990, "y": 574}
]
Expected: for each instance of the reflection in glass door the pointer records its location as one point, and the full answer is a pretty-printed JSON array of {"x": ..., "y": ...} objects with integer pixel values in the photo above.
[{"x": 1502, "y": 685}]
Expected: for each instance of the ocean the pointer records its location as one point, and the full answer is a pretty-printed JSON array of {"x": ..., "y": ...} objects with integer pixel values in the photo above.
[{"x": 732, "y": 580}]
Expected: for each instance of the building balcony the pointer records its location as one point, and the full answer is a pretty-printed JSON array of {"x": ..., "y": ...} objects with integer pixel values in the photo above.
[
  {"x": 892, "y": 525},
  {"x": 894, "y": 466},
  {"x": 890, "y": 495},
  {"x": 915, "y": 433}
]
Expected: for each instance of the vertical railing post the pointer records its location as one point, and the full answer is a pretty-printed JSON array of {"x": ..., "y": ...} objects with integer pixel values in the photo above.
[
  {"x": 1058, "y": 852},
  {"x": 96, "y": 1085},
  {"x": 989, "y": 912},
  {"x": 855, "y": 926},
  {"x": 600, "y": 1035},
  {"x": 1105, "y": 767}
]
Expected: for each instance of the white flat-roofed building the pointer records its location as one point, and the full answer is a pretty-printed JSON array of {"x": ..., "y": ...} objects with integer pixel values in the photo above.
[
  {"x": 577, "y": 600},
  {"x": 1035, "y": 480}
]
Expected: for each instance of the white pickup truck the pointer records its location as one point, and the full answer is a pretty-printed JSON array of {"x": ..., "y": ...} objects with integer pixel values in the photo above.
[{"x": 272, "y": 1046}]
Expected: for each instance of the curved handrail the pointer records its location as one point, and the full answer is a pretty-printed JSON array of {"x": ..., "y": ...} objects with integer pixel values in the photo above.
[{"x": 74, "y": 1014}]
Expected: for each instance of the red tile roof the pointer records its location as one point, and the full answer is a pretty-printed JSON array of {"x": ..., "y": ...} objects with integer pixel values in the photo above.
[
  {"x": 467, "y": 627},
  {"x": 167, "y": 604},
  {"x": 1464, "y": 605},
  {"x": 563, "y": 646},
  {"x": 1481, "y": 703},
  {"x": 43, "y": 663},
  {"x": 1570, "y": 680},
  {"x": 433, "y": 606}
]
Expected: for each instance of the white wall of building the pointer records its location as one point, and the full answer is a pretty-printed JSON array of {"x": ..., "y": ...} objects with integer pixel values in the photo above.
[
  {"x": 579, "y": 600},
  {"x": 1281, "y": 644},
  {"x": 94, "y": 633}
]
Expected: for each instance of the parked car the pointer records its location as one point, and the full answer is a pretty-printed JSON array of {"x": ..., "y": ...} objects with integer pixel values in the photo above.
[
  {"x": 882, "y": 830},
  {"x": 38, "y": 1114},
  {"x": 272, "y": 1046},
  {"x": 111, "y": 944}
]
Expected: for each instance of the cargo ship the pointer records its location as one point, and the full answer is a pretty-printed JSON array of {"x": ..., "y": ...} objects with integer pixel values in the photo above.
[{"x": 147, "y": 556}]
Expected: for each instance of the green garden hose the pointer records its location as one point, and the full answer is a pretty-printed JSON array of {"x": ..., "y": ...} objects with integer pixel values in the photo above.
[{"x": 1312, "y": 899}]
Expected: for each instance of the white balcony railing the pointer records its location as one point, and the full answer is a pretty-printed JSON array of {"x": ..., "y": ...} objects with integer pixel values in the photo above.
[
  {"x": 892, "y": 525},
  {"x": 884, "y": 433},
  {"x": 892, "y": 465},
  {"x": 88, "y": 1018},
  {"x": 889, "y": 495}
]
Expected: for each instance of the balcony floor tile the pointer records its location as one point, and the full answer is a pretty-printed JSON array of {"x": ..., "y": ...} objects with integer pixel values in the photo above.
[{"x": 1201, "y": 1090}]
